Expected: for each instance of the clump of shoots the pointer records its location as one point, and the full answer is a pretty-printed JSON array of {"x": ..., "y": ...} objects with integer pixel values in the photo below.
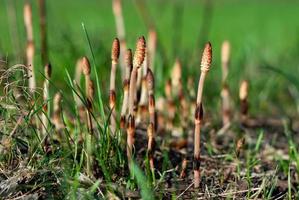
[
  {"x": 30, "y": 46},
  {"x": 112, "y": 95},
  {"x": 126, "y": 84},
  {"x": 46, "y": 97},
  {"x": 243, "y": 95},
  {"x": 225, "y": 94},
  {"x": 120, "y": 29},
  {"x": 206, "y": 61},
  {"x": 137, "y": 62}
]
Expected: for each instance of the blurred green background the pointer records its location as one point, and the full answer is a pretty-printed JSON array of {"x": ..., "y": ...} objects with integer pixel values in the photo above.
[{"x": 262, "y": 33}]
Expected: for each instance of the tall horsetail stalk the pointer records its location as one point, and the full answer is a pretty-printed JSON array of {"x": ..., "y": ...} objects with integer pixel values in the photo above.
[
  {"x": 206, "y": 61},
  {"x": 225, "y": 93},
  {"x": 112, "y": 95},
  {"x": 46, "y": 97},
  {"x": 126, "y": 85},
  {"x": 43, "y": 30},
  {"x": 120, "y": 29},
  {"x": 152, "y": 125},
  {"x": 89, "y": 90},
  {"x": 30, "y": 46},
  {"x": 142, "y": 107},
  {"x": 137, "y": 62},
  {"x": 78, "y": 75}
]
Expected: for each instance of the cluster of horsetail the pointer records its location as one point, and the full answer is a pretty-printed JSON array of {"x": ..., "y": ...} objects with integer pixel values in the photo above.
[{"x": 139, "y": 105}]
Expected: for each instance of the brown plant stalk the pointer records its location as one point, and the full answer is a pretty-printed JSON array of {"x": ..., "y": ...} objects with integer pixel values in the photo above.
[
  {"x": 137, "y": 62},
  {"x": 206, "y": 61},
  {"x": 43, "y": 30},
  {"x": 120, "y": 29},
  {"x": 46, "y": 97},
  {"x": 152, "y": 125},
  {"x": 225, "y": 93},
  {"x": 30, "y": 46},
  {"x": 112, "y": 95},
  {"x": 126, "y": 84},
  {"x": 89, "y": 89},
  {"x": 142, "y": 107}
]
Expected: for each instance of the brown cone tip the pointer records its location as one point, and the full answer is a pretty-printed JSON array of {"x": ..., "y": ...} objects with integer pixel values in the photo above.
[
  {"x": 139, "y": 52},
  {"x": 85, "y": 66},
  {"x": 115, "y": 50},
  {"x": 150, "y": 79},
  {"x": 199, "y": 112},
  {"x": 48, "y": 70},
  {"x": 206, "y": 58}
]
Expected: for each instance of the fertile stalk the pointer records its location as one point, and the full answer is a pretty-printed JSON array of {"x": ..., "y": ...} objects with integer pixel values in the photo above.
[
  {"x": 152, "y": 124},
  {"x": 30, "y": 46},
  {"x": 151, "y": 98},
  {"x": 43, "y": 31},
  {"x": 206, "y": 61},
  {"x": 112, "y": 94},
  {"x": 46, "y": 97},
  {"x": 225, "y": 94},
  {"x": 126, "y": 84},
  {"x": 142, "y": 108},
  {"x": 137, "y": 62},
  {"x": 89, "y": 90},
  {"x": 120, "y": 29}
]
